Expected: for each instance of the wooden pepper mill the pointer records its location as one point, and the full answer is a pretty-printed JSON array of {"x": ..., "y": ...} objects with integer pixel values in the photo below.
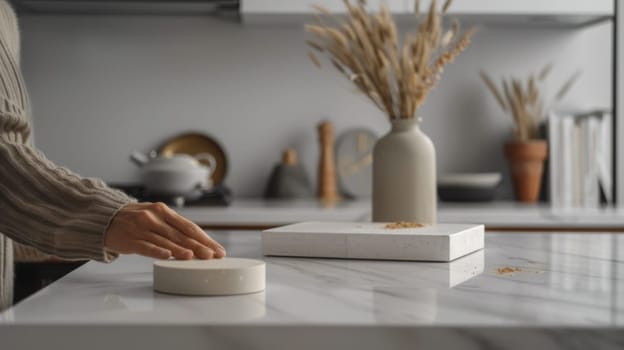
[{"x": 327, "y": 189}]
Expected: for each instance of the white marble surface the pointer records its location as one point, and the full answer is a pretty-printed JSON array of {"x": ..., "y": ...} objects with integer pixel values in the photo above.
[
  {"x": 258, "y": 212},
  {"x": 366, "y": 240},
  {"x": 569, "y": 295}
]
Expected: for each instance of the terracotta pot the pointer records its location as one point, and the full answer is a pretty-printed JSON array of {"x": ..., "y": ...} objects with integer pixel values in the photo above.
[{"x": 527, "y": 166}]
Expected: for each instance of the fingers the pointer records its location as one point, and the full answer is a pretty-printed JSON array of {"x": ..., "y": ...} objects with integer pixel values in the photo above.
[
  {"x": 189, "y": 229},
  {"x": 154, "y": 230},
  {"x": 156, "y": 219},
  {"x": 177, "y": 251},
  {"x": 200, "y": 251},
  {"x": 151, "y": 250},
  {"x": 169, "y": 233},
  {"x": 173, "y": 239}
]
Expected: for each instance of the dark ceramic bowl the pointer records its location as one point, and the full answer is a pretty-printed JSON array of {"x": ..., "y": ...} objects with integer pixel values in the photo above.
[{"x": 481, "y": 187}]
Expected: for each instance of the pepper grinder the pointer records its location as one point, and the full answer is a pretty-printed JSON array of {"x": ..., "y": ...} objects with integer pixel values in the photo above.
[{"x": 327, "y": 189}]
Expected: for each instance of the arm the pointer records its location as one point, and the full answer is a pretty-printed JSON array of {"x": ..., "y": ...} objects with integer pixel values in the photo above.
[
  {"x": 59, "y": 213},
  {"x": 24, "y": 253},
  {"x": 52, "y": 209},
  {"x": 56, "y": 211},
  {"x": 42, "y": 205}
]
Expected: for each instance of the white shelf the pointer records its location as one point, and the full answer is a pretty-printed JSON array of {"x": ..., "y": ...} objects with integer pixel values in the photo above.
[
  {"x": 258, "y": 213},
  {"x": 528, "y": 13},
  {"x": 619, "y": 106},
  {"x": 291, "y": 7},
  {"x": 526, "y": 7}
]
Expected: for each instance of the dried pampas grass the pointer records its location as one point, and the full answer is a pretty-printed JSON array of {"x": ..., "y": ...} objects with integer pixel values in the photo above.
[
  {"x": 525, "y": 101},
  {"x": 364, "y": 47}
]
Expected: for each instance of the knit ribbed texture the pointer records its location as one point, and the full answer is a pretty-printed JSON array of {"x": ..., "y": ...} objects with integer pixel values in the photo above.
[
  {"x": 42, "y": 205},
  {"x": 6, "y": 272},
  {"x": 24, "y": 253}
]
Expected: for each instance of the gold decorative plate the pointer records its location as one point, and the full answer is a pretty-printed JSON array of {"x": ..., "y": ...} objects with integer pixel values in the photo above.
[{"x": 196, "y": 143}]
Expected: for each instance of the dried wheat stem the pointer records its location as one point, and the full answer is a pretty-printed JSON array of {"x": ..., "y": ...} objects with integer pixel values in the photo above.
[
  {"x": 314, "y": 59},
  {"x": 494, "y": 90},
  {"x": 365, "y": 49}
]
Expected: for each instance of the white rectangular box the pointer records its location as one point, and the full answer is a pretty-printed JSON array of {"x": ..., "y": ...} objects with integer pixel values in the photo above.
[{"x": 357, "y": 240}]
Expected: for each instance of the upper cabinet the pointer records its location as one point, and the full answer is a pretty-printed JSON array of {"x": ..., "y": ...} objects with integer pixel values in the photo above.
[
  {"x": 293, "y": 7},
  {"x": 129, "y": 7},
  {"x": 527, "y": 7},
  {"x": 560, "y": 13}
]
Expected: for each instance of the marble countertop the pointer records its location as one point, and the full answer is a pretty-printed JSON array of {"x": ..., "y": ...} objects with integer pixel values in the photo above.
[
  {"x": 567, "y": 294},
  {"x": 495, "y": 215},
  {"x": 260, "y": 212}
]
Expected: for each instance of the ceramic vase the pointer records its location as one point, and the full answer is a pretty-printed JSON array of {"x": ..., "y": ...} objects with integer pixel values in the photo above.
[
  {"x": 526, "y": 160},
  {"x": 404, "y": 175}
]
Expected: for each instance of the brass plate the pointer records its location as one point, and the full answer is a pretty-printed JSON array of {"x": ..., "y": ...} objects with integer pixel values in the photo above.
[{"x": 195, "y": 143}]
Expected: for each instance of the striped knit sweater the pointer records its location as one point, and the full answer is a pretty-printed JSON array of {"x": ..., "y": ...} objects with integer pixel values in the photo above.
[{"x": 41, "y": 205}]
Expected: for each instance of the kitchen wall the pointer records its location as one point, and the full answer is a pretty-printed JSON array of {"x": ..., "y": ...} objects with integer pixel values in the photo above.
[{"x": 104, "y": 86}]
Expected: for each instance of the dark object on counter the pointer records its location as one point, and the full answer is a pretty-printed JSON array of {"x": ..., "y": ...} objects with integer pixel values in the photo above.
[
  {"x": 288, "y": 179},
  {"x": 194, "y": 144},
  {"x": 218, "y": 196},
  {"x": 466, "y": 194},
  {"x": 468, "y": 187}
]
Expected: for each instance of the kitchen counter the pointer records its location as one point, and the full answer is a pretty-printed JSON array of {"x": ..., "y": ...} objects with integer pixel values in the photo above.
[
  {"x": 568, "y": 293},
  {"x": 261, "y": 214}
]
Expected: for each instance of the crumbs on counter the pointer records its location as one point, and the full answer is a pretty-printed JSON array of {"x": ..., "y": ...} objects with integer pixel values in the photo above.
[
  {"x": 402, "y": 224},
  {"x": 507, "y": 270}
]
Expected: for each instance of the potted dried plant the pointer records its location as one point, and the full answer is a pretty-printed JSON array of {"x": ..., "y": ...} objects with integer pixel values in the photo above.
[
  {"x": 396, "y": 76},
  {"x": 527, "y": 151}
]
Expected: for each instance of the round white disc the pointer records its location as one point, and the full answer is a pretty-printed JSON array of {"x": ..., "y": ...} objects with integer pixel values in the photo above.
[{"x": 227, "y": 276}]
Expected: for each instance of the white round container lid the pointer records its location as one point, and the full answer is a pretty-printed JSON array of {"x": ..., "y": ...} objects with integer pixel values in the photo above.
[{"x": 227, "y": 276}]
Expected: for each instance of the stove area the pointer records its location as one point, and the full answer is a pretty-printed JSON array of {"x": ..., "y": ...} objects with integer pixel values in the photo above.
[{"x": 218, "y": 196}]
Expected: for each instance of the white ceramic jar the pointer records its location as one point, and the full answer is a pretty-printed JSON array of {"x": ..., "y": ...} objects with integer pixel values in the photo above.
[
  {"x": 404, "y": 175},
  {"x": 180, "y": 175}
]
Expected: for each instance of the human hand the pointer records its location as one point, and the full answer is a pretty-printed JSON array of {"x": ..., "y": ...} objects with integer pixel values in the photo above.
[{"x": 155, "y": 230}]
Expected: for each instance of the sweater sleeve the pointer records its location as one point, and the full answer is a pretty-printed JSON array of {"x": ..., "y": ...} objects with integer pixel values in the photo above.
[
  {"x": 42, "y": 205},
  {"x": 24, "y": 253},
  {"x": 51, "y": 208}
]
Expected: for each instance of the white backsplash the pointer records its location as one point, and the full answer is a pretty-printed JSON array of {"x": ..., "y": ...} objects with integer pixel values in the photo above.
[{"x": 104, "y": 86}]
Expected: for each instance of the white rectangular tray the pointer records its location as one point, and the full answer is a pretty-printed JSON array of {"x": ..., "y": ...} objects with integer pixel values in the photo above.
[{"x": 358, "y": 240}]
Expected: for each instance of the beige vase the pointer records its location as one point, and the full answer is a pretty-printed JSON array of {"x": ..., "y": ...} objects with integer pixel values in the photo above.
[{"x": 404, "y": 175}]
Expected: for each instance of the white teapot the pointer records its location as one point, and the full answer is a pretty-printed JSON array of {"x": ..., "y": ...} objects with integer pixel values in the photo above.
[{"x": 176, "y": 176}]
